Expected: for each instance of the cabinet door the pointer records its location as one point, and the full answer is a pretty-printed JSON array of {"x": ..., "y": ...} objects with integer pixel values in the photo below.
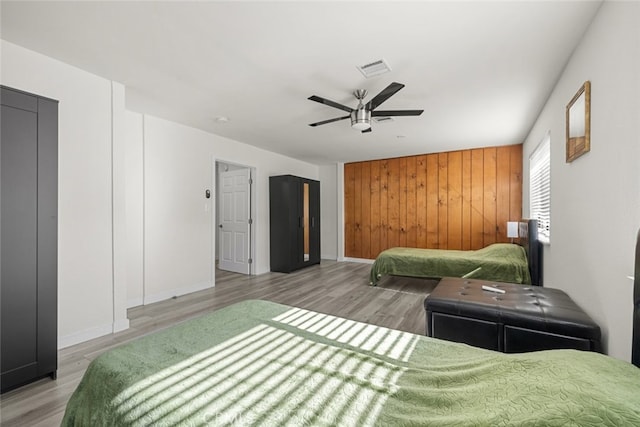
[
  {"x": 283, "y": 223},
  {"x": 28, "y": 243},
  {"x": 19, "y": 176},
  {"x": 314, "y": 225},
  {"x": 47, "y": 237}
]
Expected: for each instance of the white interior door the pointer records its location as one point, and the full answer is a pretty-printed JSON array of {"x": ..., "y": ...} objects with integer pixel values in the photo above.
[{"x": 234, "y": 221}]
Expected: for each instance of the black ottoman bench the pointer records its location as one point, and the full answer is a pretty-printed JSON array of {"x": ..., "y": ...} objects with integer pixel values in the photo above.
[{"x": 523, "y": 318}]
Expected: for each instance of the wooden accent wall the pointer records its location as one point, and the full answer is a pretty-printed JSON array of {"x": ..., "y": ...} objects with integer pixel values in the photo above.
[{"x": 453, "y": 200}]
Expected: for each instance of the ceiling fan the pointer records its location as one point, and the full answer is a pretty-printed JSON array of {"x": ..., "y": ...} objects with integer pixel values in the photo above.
[{"x": 361, "y": 115}]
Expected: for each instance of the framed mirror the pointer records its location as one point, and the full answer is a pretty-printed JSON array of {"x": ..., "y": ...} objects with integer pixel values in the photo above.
[{"x": 579, "y": 123}]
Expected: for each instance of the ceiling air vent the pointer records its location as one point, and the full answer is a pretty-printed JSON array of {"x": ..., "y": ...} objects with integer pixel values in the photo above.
[{"x": 375, "y": 68}]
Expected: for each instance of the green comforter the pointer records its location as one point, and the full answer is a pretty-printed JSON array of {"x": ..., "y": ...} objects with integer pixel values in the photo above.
[
  {"x": 260, "y": 363},
  {"x": 501, "y": 262}
]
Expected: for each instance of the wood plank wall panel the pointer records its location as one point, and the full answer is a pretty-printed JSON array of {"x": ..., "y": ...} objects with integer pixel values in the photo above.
[
  {"x": 375, "y": 244},
  {"x": 466, "y": 200},
  {"x": 515, "y": 184},
  {"x": 454, "y": 200},
  {"x": 384, "y": 198},
  {"x": 421, "y": 201},
  {"x": 402, "y": 202},
  {"x": 442, "y": 200},
  {"x": 477, "y": 198},
  {"x": 393, "y": 200},
  {"x": 411, "y": 216},
  {"x": 349, "y": 208},
  {"x": 489, "y": 203},
  {"x": 432, "y": 201},
  {"x": 365, "y": 211},
  {"x": 503, "y": 181}
]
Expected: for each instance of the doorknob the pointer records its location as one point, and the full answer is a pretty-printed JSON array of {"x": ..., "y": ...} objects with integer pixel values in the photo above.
[{"x": 220, "y": 226}]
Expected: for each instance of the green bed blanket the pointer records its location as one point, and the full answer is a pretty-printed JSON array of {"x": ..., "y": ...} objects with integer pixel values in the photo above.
[
  {"x": 261, "y": 363},
  {"x": 501, "y": 262}
]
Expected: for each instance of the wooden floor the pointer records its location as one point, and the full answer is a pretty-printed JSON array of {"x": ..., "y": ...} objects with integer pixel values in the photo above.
[{"x": 337, "y": 288}]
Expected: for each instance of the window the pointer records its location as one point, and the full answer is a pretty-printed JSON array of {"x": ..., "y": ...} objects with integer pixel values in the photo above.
[{"x": 540, "y": 187}]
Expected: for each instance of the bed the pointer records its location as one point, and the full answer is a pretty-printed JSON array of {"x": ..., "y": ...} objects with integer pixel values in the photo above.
[
  {"x": 262, "y": 363},
  {"x": 502, "y": 262}
]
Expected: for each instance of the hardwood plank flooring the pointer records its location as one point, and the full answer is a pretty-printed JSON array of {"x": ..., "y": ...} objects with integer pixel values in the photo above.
[{"x": 336, "y": 288}]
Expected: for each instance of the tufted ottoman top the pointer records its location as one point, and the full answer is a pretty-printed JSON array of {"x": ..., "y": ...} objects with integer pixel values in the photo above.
[{"x": 532, "y": 307}]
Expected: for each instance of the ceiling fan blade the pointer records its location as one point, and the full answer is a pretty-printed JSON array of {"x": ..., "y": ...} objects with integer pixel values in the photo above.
[
  {"x": 366, "y": 130},
  {"x": 324, "y": 122},
  {"x": 330, "y": 103},
  {"x": 384, "y": 95},
  {"x": 389, "y": 113}
]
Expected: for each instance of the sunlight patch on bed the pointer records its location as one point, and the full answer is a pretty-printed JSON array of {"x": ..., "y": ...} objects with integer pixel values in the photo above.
[
  {"x": 271, "y": 376},
  {"x": 385, "y": 342}
]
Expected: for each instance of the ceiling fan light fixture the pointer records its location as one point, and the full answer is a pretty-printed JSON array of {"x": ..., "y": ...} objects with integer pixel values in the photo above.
[
  {"x": 361, "y": 119},
  {"x": 361, "y": 126}
]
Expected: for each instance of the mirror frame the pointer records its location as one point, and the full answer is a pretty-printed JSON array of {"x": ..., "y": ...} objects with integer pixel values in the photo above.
[{"x": 578, "y": 145}]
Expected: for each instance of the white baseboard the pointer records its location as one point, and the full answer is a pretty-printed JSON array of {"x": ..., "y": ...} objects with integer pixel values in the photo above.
[
  {"x": 261, "y": 271},
  {"x": 360, "y": 260},
  {"x": 85, "y": 335},
  {"x": 329, "y": 257},
  {"x": 164, "y": 295},
  {"x": 91, "y": 333},
  {"x": 120, "y": 325}
]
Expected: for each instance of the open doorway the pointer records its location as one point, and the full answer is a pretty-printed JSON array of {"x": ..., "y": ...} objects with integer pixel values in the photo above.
[{"x": 234, "y": 228}]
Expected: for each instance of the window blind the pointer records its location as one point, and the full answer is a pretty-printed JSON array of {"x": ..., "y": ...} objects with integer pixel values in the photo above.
[{"x": 540, "y": 186}]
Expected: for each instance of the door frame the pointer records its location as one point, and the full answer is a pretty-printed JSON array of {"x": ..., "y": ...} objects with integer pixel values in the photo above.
[{"x": 219, "y": 162}]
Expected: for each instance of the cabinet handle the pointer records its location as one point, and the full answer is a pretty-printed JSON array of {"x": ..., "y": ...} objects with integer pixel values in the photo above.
[{"x": 313, "y": 222}]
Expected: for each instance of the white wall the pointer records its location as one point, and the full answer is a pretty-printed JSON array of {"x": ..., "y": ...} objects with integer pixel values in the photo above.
[
  {"x": 86, "y": 291},
  {"x": 178, "y": 219},
  {"x": 329, "y": 212},
  {"x": 595, "y": 200},
  {"x": 178, "y": 166},
  {"x": 134, "y": 207},
  {"x": 118, "y": 207}
]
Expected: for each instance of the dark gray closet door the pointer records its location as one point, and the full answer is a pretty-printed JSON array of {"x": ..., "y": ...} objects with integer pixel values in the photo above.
[
  {"x": 314, "y": 209},
  {"x": 19, "y": 239},
  {"x": 47, "y": 237},
  {"x": 28, "y": 242}
]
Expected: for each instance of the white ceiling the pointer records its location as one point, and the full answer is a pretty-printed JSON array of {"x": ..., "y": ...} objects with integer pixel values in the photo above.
[{"x": 480, "y": 70}]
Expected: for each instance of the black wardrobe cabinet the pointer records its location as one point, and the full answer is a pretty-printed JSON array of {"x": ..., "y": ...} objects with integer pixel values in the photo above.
[
  {"x": 294, "y": 209},
  {"x": 28, "y": 247}
]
